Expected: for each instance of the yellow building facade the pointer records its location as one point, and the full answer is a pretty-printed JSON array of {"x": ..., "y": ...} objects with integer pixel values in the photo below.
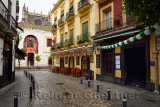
[
  {"x": 132, "y": 63},
  {"x": 73, "y": 26}
]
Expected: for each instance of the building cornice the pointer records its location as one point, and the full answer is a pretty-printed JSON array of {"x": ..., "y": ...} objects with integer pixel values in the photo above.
[{"x": 57, "y": 5}]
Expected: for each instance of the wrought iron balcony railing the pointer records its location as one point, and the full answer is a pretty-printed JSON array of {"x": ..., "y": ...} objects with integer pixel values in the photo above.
[
  {"x": 70, "y": 13},
  {"x": 61, "y": 20},
  {"x": 113, "y": 23},
  {"x": 13, "y": 23},
  {"x": 82, "y": 3},
  {"x": 4, "y": 12},
  {"x": 83, "y": 38}
]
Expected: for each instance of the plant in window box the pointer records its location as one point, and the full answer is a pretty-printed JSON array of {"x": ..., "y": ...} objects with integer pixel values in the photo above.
[
  {"x": 52, "y": 48},
  {"x": 58, "y": 46},
  {"x": 67, "y": 44},
  {"x": 79, "y": 41}
]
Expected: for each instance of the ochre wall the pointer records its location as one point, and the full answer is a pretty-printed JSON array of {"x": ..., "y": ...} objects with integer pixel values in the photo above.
[{"x": 153, "y": 49}]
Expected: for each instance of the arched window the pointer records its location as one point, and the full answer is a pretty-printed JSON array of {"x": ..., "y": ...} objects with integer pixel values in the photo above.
[
  {"x": 30, "y": 44},
  {"x": 38, "y": 22}
]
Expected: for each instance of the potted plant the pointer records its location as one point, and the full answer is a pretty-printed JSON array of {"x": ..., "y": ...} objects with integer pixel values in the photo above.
[
  {"x": 67, "y": 44},
  {"x": 58, "y": 46}
]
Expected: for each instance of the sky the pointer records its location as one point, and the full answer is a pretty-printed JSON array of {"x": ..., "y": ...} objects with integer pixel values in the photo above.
[{"x": 38, "y": 5}]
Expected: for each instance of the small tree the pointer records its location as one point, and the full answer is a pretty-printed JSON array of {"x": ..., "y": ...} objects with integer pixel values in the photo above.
[
  {"x": 21, "y": 56},
  {"x": 38, "y": 59},
  {"x": 143, "y": 11}
]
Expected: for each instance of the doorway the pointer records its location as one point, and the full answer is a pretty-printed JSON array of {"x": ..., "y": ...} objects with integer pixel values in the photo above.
[
  {"x": 85, "y": 64},
  {"x": 31, "y": 58},
  {"x": 135, "y": 62},
  {"x": 71, "y": 62}
]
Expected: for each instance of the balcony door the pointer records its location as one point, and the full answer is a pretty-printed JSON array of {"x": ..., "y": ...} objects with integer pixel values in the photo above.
[
  {"x": 61, "y": 40},
  {"x": 71, "y": 37},
  {"x": 108, "y": 18},
  {"x": 85, "y": 31}
]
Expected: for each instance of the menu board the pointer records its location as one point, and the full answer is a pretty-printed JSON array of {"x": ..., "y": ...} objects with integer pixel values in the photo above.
[
  {"x": 97, "y": 61},
  {"x": 91, "y": 58}
]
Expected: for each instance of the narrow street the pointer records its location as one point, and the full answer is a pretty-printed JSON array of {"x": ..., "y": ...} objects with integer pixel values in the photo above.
[{"x": 55, "y": 90}]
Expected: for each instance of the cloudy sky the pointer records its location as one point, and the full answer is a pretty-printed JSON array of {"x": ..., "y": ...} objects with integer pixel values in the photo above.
[{"x": 39, "y": 5}]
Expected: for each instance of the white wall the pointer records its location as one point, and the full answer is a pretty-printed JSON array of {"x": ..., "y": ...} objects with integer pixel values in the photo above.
[
  {"x": 13, "y": 10},
  {"x": 43, "y": 50},
  {"x": 1, "y": 56}
]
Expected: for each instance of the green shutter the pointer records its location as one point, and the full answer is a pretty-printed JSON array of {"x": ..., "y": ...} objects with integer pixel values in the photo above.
[
  {"x": 85, "y": 31},
  {"x": 62, "y": 12},
  {"x": 55, "y": 40},
  {"x": 61, "y": 40},
  {"x": 71, "y": 5},
  {"x": 71, "y": 37}
]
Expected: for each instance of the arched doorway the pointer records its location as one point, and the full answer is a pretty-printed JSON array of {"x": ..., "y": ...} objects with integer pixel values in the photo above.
[{"x": 31, "y": 47}]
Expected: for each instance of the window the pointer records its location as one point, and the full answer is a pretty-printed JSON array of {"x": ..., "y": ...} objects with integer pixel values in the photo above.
[
  {"x": 71, "y": 5},
  {"x": 30, "y": 44},
  {"x": 71, "y": 37},
  {"x": 77, "y": 60},
  {"x": 157, "y": 43},
  {"x": 66, "y": 60},
  {"x": 62, "y": 15},
  {"x": 108, "y": 61},
  {"x": 49, "y": 42},
  {"x": 38, "y": 22},
  {"x": 117, "y": 61}
]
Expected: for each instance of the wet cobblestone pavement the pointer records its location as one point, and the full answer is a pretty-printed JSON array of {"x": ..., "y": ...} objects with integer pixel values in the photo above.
[{"x": 56, "y": 90}]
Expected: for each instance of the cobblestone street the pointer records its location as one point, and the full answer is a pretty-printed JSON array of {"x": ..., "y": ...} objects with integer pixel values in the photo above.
[{"x": 55, "y": 90}]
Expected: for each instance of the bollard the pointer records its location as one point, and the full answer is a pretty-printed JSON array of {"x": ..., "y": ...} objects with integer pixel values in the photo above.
[
  {"x": 88, "y": 83},
  {"x": 81, "y": 81},
  {"x": 33, "y": 83},
  {"x": 15, "y": 99},
  {"x": 109, "y": 94},
  {"x": 31, "y": 77},
  {"x": 30, "y": 91},
  {"x": 124, "y": 101},
  {"x": 97, "y": 87}
]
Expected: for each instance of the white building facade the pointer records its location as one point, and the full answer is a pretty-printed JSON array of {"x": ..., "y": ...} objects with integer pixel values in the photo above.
[
  {"x": 36, "y": 38},
  {"x": 9, "y": 10}
]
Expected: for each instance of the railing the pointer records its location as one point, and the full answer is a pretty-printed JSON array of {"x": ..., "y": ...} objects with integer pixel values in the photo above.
[
  {"x": 82, "y": 3},
  {"x": 4, "y": 12},
  {"x": 83, "y": 38},
  {"x": 13, "y": 23},
  {"x": 68, "y": 43},
  {"x": 113, "y": 23},
  {"x": 70, "y": 13},
  {"x": 54, "y": 26},
  {"x": 61, "y": 20}
]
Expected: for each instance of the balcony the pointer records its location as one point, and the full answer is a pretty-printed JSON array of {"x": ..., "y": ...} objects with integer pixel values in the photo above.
[
  {"x": 61, "y": 22},
  {"x": 4, "y": 23},
  {"x": 54, "y": 27},
  {"x": 12, "y": 26},
  {"x": 70, "y": 15},
  {"x": 68, "y": 43},
  {"x": 84, "y": 38},
  {"x": 111, "y": 24},
  {"x": 83, "y": 5}
]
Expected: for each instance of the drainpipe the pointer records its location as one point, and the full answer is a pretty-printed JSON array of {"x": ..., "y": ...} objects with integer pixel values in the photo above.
[{"x": 155, "y": 54}]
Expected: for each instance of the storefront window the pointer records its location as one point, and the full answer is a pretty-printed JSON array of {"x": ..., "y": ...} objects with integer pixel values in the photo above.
[{"x": 117, "y": 61}]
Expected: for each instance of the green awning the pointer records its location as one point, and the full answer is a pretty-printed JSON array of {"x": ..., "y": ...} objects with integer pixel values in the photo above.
[{"x": 117, "y": 35}]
